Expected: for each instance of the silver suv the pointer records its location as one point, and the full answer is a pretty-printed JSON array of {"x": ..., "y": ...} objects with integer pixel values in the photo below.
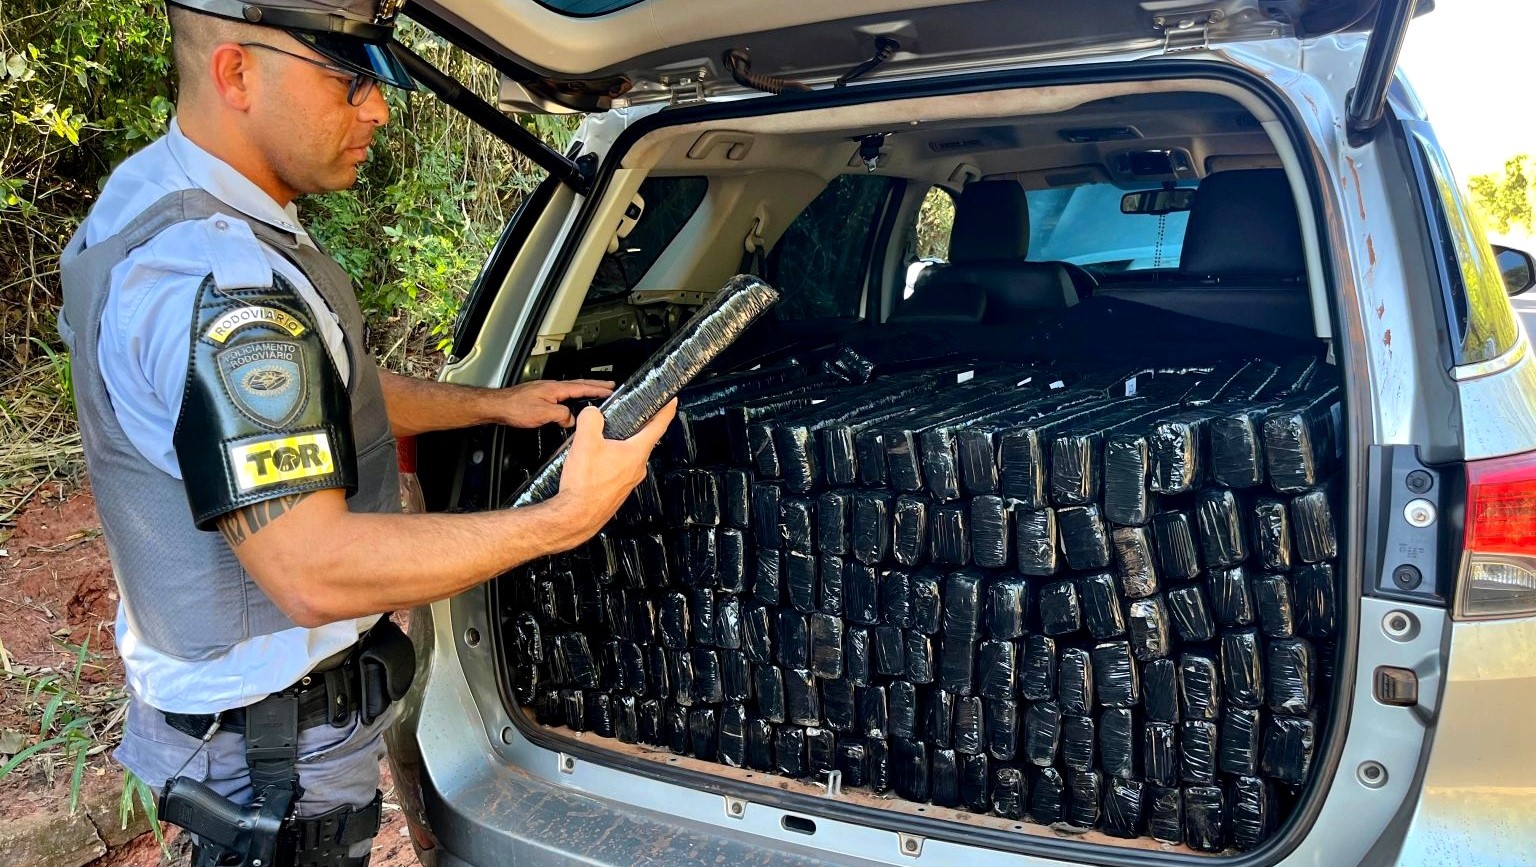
[{"x": 1225, "y": 226}]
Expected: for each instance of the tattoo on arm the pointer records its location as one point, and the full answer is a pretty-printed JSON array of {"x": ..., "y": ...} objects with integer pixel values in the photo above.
[{"x": 244, "y": 523}]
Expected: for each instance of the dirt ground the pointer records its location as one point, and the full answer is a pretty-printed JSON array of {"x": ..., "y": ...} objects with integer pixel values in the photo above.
[{"x": 56, "y": 589}]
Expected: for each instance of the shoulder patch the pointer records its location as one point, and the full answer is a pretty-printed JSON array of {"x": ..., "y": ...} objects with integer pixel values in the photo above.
[
  {"x": 267, "y": 379},
  {"x": 238, "y": 259}
]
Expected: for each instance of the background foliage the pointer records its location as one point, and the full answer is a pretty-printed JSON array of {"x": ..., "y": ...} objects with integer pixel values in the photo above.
[{"x": 1503, "y": 199}]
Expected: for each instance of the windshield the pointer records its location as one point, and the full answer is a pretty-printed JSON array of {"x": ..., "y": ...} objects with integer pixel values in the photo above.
[
  {"x": 1084, "y": 226},
  {"x": 586, "y": 8}
]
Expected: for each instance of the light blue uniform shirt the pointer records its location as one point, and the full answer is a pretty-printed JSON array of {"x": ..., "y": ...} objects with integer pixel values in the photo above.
[{"x": 144, "y": 348}]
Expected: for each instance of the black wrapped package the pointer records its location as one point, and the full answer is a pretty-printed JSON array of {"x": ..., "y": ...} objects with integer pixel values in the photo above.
[
  {"x": 830, "y": 570},
  {"x": 1061, "y": 612},
  {"x": 768, "y": 685},
  {"x": 1047, "y": 797},
  {"x": 1292, "y": 674},
  {"x": 802, "y": 700},
  {"x": 891, "y": 652},
  {"x": 1289, "y": 744},
  {"x": 643, "y": 503},
  {"x": 1042, "y": 733},
  {"x": 950, "y": 535},
  {"x": 1002, "y": 725},
  {"x": 658, "y": 671},
  {"x": 1035, "y": 533},
  {"x": 1149, "y": 628},
  {"x": 1300, "y": 441},
  {"x": 736, "y": 499},
  {"x": 573, "y": 655},
  {"x": 1239, "y": 751},
  {"x": 1117, "y": 743},
  {"x": 918, "y": 653},
  {"x": 1232, "y": 597},
  {"x": 1199, "y": 687},
  {"x": 1312, "y": 515},
  {"x": 852, "y": 762},
  {"x": 1160, "y": 753},
  {"x": 735, "y": 675},
  {"x": 957, "y": 664},
  {"x": 1134, "y": 561},
  {"x": 1223, "y": 541},
  {"x": 1126, "y": 499},
  {"x": 927, "y": 604},
  {"x": 649, "y": 718},
  {"x": 1160, "y": 686},
  {"x": 874, "y": 713},
  {"x": 600, "y": 714},
  {"x": 800, "y": 580},
  {"x": 1242, "y": 670},
  {"x": 997, "y": 667},
  {"x": 1272, "y": 534},
  {"x": 827, "y": 646},
  {"x": 858, "y": 663},
  {"x": 975, "y": 782},
  {"x": 1037, "y": 673},
  {"x": 733, "y": 736},
  {"x": 674, "y": 498},
  {"x": 1007, "y": 607},
  {"x": 940, "y": 725},
  {"x": 1085, "y": 789},
  {"x": 703, "y": 615},
  {"x": 632, "y": 663},
  {"x": 1084, "y": 539},
  {"x": 1077, "y": 742},
  {"x": 1197, "y": 752},
  {"x": 990, "y": 531},
  {"x": 832, "y": 528},
  {"x": 1314, "y": 600},
  {"x": 676, "y": 729},
  {"x": 1178, "y": 558},
  {"x": 727, "y": 622},
  {"x": 1205, "y": 818},
  {"x": 766, "y": 501},
  {"x": 793, "y": 645},
  {"x": 821, "y": 747},
  {"x": 861, "y": 593},
  {"x": 963, "y": 605},
  {"x": 703, "y": 498},
  {"x": 731, "y": 562},
  {"x": 969, "y": 727},
  {"x": 902, "y": 704},
  {"x": 1272, "y": 598},
  {"x": 647, "y": 557},
  {"x": 626, "y": 719},
  {"x": 797, "y": 524},
  {"x": 528, "y": 637},
  {"x": 768, "y": 576},
  {"x": 1253, "y": 812},
  {"x": 680, "y": 669},
  {"x": 757, "y": 628},
  {"x": 708, "y": 684},
  {"x": 1008, "y": 793},
  {"x": 1075, "y": 467},
  {"x": 1165, "y": 814},
  {"x": 1103, "y": 612},
  {"x": 1190, "y": 614},
  {"x": 760, "y": 742},
  {"x": 687, "y": 352},
  {"x": 704, "y": 733},
  {"x": 1177, "y": 448},
  {"x": 1075, "y": 681},
  {"x": 896, "y": 598},
  {"x": 877, "y": 760},
  {"x": 909, "y": 534},
  {"x": 944, "y": 778},
  {"x": 789, "y": 752},
  {"x": 1237, "y": 448},
  {"x": 871, "y": 528},
  {"x": 1122, "y": 809},
  {"x": 909, "y": 769}
]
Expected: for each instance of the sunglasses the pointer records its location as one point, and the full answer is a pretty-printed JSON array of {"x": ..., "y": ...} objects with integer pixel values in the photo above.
[{"x": 359, "y": 86}]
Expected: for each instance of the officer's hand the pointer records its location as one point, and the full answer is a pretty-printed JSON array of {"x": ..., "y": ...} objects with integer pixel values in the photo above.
[
  {"x": 536, "y": 403},
  {"x": 599, "y": 473}
]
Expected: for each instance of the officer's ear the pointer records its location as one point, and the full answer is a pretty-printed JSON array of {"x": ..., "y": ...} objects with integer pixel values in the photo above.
[{"x": 230, "y": 75}]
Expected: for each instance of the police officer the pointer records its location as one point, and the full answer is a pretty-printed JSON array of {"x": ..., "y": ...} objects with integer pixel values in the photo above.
[{"x": 223, "y": 385}]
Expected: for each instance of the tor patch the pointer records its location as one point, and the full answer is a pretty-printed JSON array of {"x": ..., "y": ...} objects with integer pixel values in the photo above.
[{"x": 265, "y": 380}]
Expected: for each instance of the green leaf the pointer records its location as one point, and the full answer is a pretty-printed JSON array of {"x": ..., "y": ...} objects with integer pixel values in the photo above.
[{"x": 50, "y": 712}]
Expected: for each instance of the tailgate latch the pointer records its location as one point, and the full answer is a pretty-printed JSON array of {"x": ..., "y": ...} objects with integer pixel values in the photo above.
[{"x": 1186, "y": 30}]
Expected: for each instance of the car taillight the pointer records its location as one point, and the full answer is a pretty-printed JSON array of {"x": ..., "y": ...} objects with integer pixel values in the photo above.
[{"x": 1498, "y": 576}]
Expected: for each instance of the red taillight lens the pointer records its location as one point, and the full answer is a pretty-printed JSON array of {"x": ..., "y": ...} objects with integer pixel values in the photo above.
[
  {"x": 1498, "y": 577},
  {"x": 405, "y": 454}
]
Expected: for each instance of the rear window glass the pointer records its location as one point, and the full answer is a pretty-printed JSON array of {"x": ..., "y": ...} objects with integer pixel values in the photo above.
[
  {"x": 669, "y": 203},
  {"x": 820, "y": 264},
  {"x": 586, "y": 8},
  {"x": 1084, "y": 226}
]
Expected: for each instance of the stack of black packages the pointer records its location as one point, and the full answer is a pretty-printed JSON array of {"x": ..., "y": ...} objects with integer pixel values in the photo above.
[{"x": 1093, "y": 599}]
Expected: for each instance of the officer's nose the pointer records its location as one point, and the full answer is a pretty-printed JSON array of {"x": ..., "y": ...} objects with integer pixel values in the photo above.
[{"x": 375, "y": 108}]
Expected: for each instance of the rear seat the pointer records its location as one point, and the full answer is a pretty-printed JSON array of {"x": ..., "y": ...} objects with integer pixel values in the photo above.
[{"x": 1243, "y": 262}]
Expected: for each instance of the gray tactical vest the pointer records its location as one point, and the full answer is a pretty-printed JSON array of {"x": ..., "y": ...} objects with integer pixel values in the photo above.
[{"x": 187, "y": 596}]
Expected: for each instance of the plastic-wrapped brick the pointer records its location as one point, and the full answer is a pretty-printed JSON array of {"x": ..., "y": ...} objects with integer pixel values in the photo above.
[
  {"x": 736, "y": 499},
  {"x": 767, "y": 576},
  {"x": 962, "y": 605},
  {"x": 1060, "y": 610},
  {"x": 861, "y": 594},
  {"x": 1126, "y": 499},
  {"x": 1197, "y": 752},
  {"x": 1232, "y": 597},
  {"x": 1035, "y": 533},
  {"x": 990, "y": 516},
  {"x": 644, "y": 621},
  {"x": 1042, "y": 733},
  {"x": 799, "y": 578},
  {"x": 727, "y": 622},
  {"x": 1199, "y": 687},
  {"x": 1007, "y": 607},
  {"x": 975, "y": 780},
  {"x": 1160, "y": 686},
  {"x": 680, "y": 669},
  {"x": 1237, "y": 448},
  {"x": 1289, "y": 744},
  {"x": 1117, "y": 743},
  {"x": 1239, "y": 751},
  {"x": 1292, "y": 673},
  {"x": 797, "y": 524},
  {"x": 626, "y": 719},
  {"x": 1272, "y": 598},
  {"x": 1314, "y": 587},
  {"x": 874, "y": 715},
  {"x": 1299, "y": 442},
  {"x": 858, "y": 662},
  {"x": 1002, "y": 725},
  {"x": 732, "y": 737},
  {"x": 1160, "y": 753},
  {"x": 918, "y": 657},
  {"x": 708, "y": 686},
  {"x": 909, "y": 769},
  {"x": 1009, "y": 793},
  {"x": 1151, "y": 637},
  {"x": 821, "y": 747},
  {"x": 1084, "y": 791},
  {"x": 760, "y": 743},
  {"x": 1205, "y": 815},
  {"x": 674, "y": 498},
  {"x": 793, "y": 645},
  {"x": 941, "y": 463},
  {"x": 1177, "y": 449},
  {"x": 1178, "y": 558},
  {"x": 600, "y": 714},
  {"x": 731, "y": 560},
  {"x": 830, "y": 569},
  {"x": 1037, "y": 673},
  {"x": 956, "y": 664},
  {"x": 573, "y": 654},
  {"x": 648, "y": 721},
  {"x": 1190, "y": 614},
  {"x": 969, "y": 730},
  {"x": 826, "y": 646},
  {"x": 1084, "y": 538},
  {"x": 997, "y": 666},
  {"x": 1165, "y": 814},
  {"x": 1242, "y": 670},
  {"x": 644, "y": 561},
  {"x": 927, "y": 604},
  {"x": 802, "y": 701},
  {"x": 1272, "y": 534},
  {"x": 1103, "y": 613},
  {"x": 703, "y": 614},
  {"x": 632, "y": 663},
  {"x": 1253, "y": 812},
  {"x": 950, "y": 535},
  {"x": 676, "y": 729},
  {"x": 658, "y": 671},
  {"x": 1075, "y": 681},
  {"x": 1047, "y": 797},
  {"x": 878, "y": 765},
  {"x": 909, "y": 535},
  {"x": 902, "y": 705},
  {"x": 602, "y": 558},
  {"x": 704, "y": 733},
  {"x": 703, "y": 498},
  {"x": 832, "y": 527},
  {"x": 852, "y": 762},
  {"x": 891, "y": 651},
  {"x": 768, "y": 684},
  {"x": 1312, "y": 515},
  {"x": 871, "y": 529},
  {"x": 766, "y": 499},
  {"x": 1223, "y": 541},
  {"x": 1075, "y": 468},
  {"x": 1077, "y": 742},
  {"x": 896, "y": 598},
  {"x": 789, "y": 752},
  {"x": 1122, "y": 809},
  {"x": 940, "y": 725},
  {"x": 757, "y": 627},
  {"x": 1133, "y": 561},
  {"x": 735, "y": 676}
]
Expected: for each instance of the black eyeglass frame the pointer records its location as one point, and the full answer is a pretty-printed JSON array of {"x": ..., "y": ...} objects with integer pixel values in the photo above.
[{"x": 359, "y": 85}]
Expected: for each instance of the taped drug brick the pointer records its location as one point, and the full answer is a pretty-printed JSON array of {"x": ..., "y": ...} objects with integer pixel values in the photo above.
[
  {"x": 1037, "y": 674},
  {"x": 1254, "y": 812},
  {"x": 833, "y": 528},
  {"x": 731, "y": 750},
  {"x": 1272, "y": 598},
  {"x": 674, "y": 498},
  {"x": 1199, "y": 688},
  {"x": 626, "y": 719},
  {"x": 830, "y": 570},
  {"x": 1009, "y": 793},
  {"x": 1060, "y": 609},
  {"x": 939, "y": 727},
  {"x": 821, "y": 749},
  {"x": 1084, "y": 537},
  {"x": 1047, "y": 796},
  {"x": 632, "y": 663},
  {"x": 871, "y": 527},
  {"x": 649, "y": 722},
  {"x": 681, "y": 671},
  {"x": 1272, "y": 534},
  {"x": 735, "y": 676},
  {"x": 1165, "y": 814},
  {"x": 944, "y": 778},
  {"x": 1002, "y": 726},
  {"x": 1312, "y": 516},
  {"x": 1197, "y": 752},
  {"x": 574, "y": 656},
  {"x": 861, "y": 594},
  {"x": 708, "y": 684},
  {"x": 600, "y": 714},
  {"x": 1116, "y": 681},
  {"x": 909, "y": 769},
  {"x": 956, "y": 664},
  {"x": 793, "y": 645},
  {"x": 768, "y": 685},
  {"x": 703, "y": 498},
  {"x": 874, "y": 713},
  {"x": 1007, "y": 607},
  {"x": 761, "y": 735},
  {"x": 1300, "y": 441},
  {"x": 702, "y": 616},
  {"x": 1205, "y": 815},
  {"x": 704, "y": 733},
  {"x": 1160, "y": 753},
  {"x": 676, "y": 729},
  {"x": 1177, "y": 448},
  {"x": 727, "y": 622},
  {"x": 1134, "y": 561},
  {"x": 891, "y": 652},
  {"x": 797, "y": 524},
  {"x": 1042, "y": 733},
  {"x": 644, "y": 562},
  {"x": 950, "y": 535},
  {"x": 1126, "y": 498},
  {"x": 896, "y": 598},
  {"x": 990, "y": 519},
  {"x": 1103, "y": 611},
  {"x": 997, "y": 668},
  {"x": 1314, "y": 587},
  {"x": 826, "y": 646},
  {"x": 969, "y": 726},
  {"x": 790, "y": 757},
  {"x": 903, "y": 707},
  {"x": 858, "y": 661},
  {"x": 1232, "y": 597},
  {"x": 1117, "y": 743},
  {"x": 1178, "y": 557},
  {"x": 549, "y": 707},
  {"x": 1161, "y": 690},
  {"x": 1242, "y": 671},
  {"x": 1085, "y": 789},
  {"x": 644, "y": 621},
  {"x": 658, "y": 672},
  {"x": 1223, "y": 540},
  {"x": 927, "y": 602},
  {"x": 757, "y": 629},
  {"x": 768, "y": 576},
  {"x": 918, "y": 656},
  {"x": 767, "y": 499},
  {"x": 1237, "y": 447},
  {"x": 643, "y": 505},
  {"x": 962, "y": 605},
  {"x": 1036, "y": 536},
  {"x": 1190, "y": 614},
  {"x": 869, "y": 446},
  {"x": 1078, "y": 738},
  {"x": 878, "y": 763},
  {"x": 736, "y": 499},
  {"x": 975, "y": 782},
  {"x": 802, "y": 700},
  {"x": 909, "y": 537},
  {"x": 1149, "y": 628},
  {"x": 852, "y": 762},
  {"x": 1122, "y": 809},
  {"x": 1292, "y": 676},
  {"x": 799, "y": 578},
  {"x": 1075, "y": 687},
  {"x": 1239, "y": 742},
  {"x": 731, "y": 562}
]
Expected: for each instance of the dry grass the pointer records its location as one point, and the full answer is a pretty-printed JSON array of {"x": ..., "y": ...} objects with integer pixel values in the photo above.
[{"x": 39, "y": 439}]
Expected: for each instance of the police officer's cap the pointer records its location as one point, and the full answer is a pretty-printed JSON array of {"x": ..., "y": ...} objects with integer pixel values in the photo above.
[{"x": 353, "y": 33}]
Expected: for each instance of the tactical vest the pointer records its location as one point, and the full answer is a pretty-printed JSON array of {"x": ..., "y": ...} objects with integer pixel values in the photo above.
[{"x": 187, "y": 595}]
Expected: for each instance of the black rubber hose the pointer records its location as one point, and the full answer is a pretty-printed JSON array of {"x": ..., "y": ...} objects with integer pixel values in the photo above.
[
  {"x": 739, "y": 62},
  {"x": 700, "y": 340}
]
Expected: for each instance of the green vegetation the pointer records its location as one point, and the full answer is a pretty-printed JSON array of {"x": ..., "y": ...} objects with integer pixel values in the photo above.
[{"x": 1503, "y": 199}]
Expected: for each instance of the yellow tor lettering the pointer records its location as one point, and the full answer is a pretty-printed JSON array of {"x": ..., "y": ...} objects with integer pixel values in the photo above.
[{"x": 282, "y": 459}]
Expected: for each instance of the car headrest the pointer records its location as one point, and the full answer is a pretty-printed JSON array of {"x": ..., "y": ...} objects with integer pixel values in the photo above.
[
  {"x": 1244, "y": 222},
  {"x": 991, "y": 222},
  {"x": 963, "y": 303}
]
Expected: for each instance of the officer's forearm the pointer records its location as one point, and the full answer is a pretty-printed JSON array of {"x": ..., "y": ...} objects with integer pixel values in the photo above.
[{"x": 420, "y": 405}]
